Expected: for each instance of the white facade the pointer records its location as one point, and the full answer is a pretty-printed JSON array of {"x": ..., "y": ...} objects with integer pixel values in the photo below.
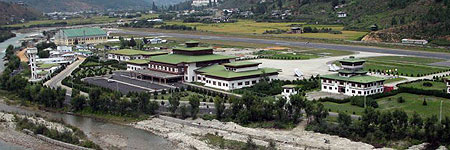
[
  {"x": 342, "y": 14},
  {"x": 64, "y": 48},
  {"x": 448, "y": 86},
  {"x": 199, "y": 3},
  {"x": 124, "y": 57},
  {"x": 133, "y": 67},
  {"x": 231, "y": 85},
  {"x": 32, "y": 52},
  {"x": 412, "y": 41},
  {"x": 351, "y": 89}
]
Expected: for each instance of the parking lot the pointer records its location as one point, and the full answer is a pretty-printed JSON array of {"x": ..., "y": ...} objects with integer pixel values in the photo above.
[{"x": 121, "y": 81}]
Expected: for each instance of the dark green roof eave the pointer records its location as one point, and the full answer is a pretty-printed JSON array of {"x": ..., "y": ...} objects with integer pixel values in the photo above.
[{"x": 356, "y": 79}]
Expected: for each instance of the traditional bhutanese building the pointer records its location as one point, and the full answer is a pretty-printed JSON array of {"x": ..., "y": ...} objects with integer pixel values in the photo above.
[
  {"x": 130, "y": 54},
  {"x": 447, "y": 80},
  {"x": 199, "y": 64},
  {"x": 235, "y": 75},
  {"x": 81, "y": 35},
  {"x": 352, "y": 80}
]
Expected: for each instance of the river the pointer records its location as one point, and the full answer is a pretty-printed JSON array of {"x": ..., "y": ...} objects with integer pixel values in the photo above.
[{"x": 124, "y": 137}]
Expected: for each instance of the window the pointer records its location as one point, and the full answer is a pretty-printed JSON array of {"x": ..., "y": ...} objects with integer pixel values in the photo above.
[
  {"x": 199, "y": 78},
  {"x": 359, "y": 92},
  {"x": 324, "y": 87},
  {"x": 247, "y": 82},
  {"x": 240, "y": 83},
  {"x": 214, "y": 82},
  {"x": 254, "y": 82},
  {"x": 219, "y": 83},
  {"x": 353, "y": 91},
  {"x": 331, "y": 88}
]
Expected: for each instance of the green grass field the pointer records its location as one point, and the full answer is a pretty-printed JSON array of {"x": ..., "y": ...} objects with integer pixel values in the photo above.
[
  {"x": 413, "y": 103},
  {"x": 250, "y": 27},
  {"x": 406, "y": 66},
  {"x": 394, "y": 80}
]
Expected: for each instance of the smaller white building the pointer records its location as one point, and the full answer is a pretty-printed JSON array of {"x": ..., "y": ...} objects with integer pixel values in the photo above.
[
  {"x": 137, "y": 64},
  {"x": 352, "y": 80},
  {"x": 341, "y": 14},
  {"x": 288, "y": 91},
  {"x": 235, "y": 75},
  {"x": 416, "y": 42},
  {"x": 64, "y": 49}
]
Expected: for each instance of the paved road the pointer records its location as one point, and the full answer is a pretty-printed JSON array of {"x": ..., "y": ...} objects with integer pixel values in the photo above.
[
  {"x": 56, "y": 80},
  {"x": 292, "y": 43}
]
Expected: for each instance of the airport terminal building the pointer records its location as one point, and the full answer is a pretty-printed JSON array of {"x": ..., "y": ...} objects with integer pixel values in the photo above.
[
  {"x": 352, "y": 80},
  {"x": 199, "y": 64}
]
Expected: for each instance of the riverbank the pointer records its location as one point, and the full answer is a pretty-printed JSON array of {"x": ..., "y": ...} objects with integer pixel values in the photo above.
[{"x": 189, "y": 134}]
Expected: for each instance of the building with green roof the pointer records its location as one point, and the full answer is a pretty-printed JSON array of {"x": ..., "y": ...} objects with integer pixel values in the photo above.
[
  {"x": 199, "y": 64},
  {"x": 228, "y": 77},
  {"x": 81, "y": 36},
  {"x": 131, "y": 54},
  {"x": 352, "y": 80}
]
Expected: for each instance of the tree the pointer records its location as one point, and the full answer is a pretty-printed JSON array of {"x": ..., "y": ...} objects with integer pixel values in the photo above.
[
  {"x": 280, "y": 4},
  {"x": 174, "y": 102},
  {"x": 320, "y": 113},
  {"x": 143, "y": 101},
  {"x": 78, "y": 102},
  {"x": 132, "y": 42},
  {"x": 194, "y": 101},
  {"x": 298, "y": 103},
  {"x": 220, "y": 107},
  {"x": 183, "y": 111},
  {"x": 344, "y": 120},
  {"x": 153, "y": 106},
  {"x": 424, "y": 103}
]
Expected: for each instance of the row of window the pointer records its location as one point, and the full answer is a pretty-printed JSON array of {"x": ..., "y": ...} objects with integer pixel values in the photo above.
[
  {"x": 134, "y": 68},
  {"x": 353, "y": 91},
  {"x": 351, "y": 84},
  {"x": 92, "y": 38},
  {"x": 164, "y": 68}
]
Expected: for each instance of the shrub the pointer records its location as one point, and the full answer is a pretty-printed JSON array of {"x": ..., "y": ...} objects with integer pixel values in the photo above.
[
  {"x": 427, "y": 84},
  {"x": 400, "y": 100}
]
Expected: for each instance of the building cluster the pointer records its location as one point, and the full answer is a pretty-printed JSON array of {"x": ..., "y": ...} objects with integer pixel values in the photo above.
[
  {"x": 194, "y": 64},
  {"x": 41, "y": 68}
]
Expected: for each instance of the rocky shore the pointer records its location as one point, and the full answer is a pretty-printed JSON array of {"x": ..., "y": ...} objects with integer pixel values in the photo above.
[
  {"x": 8, "y": 134},
  {"x": 188, "y": 133}
]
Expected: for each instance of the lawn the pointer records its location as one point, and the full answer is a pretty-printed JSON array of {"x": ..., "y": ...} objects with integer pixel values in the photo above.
[
  {"x": 250, "y": 27},
  {"x": 413, "y": 103},
  {"x": 75, "y": 21},
  {"x": 284, "y": 55},
  {"x": 439, "y": 86},
  {"x": 392, "y": 80},
  {"x": 406, "y": 66},
  {"x": 346, "y": 108}
]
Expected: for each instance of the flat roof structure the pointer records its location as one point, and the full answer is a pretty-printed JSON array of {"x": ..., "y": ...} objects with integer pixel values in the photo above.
[
  {"x": 158, "y": 74},
  {"x": 352, "y": 59},
  {"x": 139, "y": 61},
  {"x": 132, "y": 52},
  {"x": 239, "y": 64},
  {"x": 177, "y": 58},
  {"x": 220, "y": 71},
  {"x": 356, "y": 79}
]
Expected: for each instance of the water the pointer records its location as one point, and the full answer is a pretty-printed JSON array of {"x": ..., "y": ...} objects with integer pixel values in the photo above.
[
  {"x": 132, "y": 137},
  {"x": 7, "y": 146},
  {"x": 12, "y": 41}
]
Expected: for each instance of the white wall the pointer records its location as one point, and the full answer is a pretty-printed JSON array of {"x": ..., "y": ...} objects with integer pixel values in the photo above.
[
  {"x": 132, "y": 67},
  {"x": 231, "y": 85},
  {"x": 350, "y": 90}
]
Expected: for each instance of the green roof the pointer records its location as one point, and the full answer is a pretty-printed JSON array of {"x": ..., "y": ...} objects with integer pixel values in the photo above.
[
  {"x": 241, "y": 63},
  {"x": 220, "y": 71},
  {"x": 352, "y": 59},
  {"x": 290, "y": 86},
  {"x": 447, "y": 78},
  {"x": 80, "y": 32},
  {"x": 47, "y": 66},
  {"x": 177, "y": 58},
  {"x": 356, "y": 79},
  {"x": 132, "y": 52},
  {"x": 192, "y": 48},
  {"x": 139, "y": 61},
  {"x": 192, "y": 42}
]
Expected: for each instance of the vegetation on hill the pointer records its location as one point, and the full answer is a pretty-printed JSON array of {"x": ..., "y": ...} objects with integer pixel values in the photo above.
[
  {"x": 396, "y": 19},
  {"x": 13, "y": 13},
  {"x": 84, "y": 5}
]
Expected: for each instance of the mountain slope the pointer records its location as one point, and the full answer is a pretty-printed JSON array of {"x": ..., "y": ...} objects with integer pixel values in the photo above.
[
  {"x": 81, "y": 5},
  {"x": 13, "y": 13},
  {"x": 397, "y": 19}
]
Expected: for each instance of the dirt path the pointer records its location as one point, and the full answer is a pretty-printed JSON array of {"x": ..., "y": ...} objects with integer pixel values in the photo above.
[{"x": 22, "y": 55}]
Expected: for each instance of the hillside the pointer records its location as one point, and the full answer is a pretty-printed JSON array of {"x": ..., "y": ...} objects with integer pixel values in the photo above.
[
  {"x": 397, "y": 19},
  {"x": 81, "y": 5},
  {"x": 13, "y": 13}
]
